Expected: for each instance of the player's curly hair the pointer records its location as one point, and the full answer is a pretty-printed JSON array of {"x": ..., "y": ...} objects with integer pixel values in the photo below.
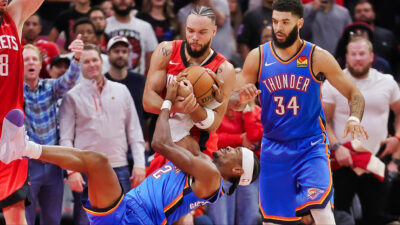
[
  {"x": 235, "y": 181},
  {"x": 293, "y": 6}
]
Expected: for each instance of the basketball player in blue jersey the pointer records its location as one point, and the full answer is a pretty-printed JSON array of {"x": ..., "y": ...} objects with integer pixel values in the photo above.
[
  {"x": 295, "y": 176},
  {"x": 189, "y": 180}
]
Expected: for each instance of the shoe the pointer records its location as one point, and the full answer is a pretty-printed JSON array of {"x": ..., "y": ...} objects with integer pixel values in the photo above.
[{"x": 13, "y": 140}]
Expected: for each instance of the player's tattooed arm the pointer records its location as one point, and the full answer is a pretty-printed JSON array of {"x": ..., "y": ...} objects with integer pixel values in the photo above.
[
  {"x": 156, "y": 78},
  {"x": 166, "y": 50},
  {"x": 357, "y": 105}
]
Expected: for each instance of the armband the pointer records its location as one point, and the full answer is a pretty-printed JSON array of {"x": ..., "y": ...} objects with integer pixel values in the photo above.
[
  {"x": 208, "y": 121},
  {"x": 167, "y": 104}
]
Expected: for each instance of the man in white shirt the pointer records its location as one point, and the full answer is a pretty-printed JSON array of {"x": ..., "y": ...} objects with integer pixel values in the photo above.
[
  {"x": 100, "y": 115},
  {"x": 380, "y": 92},
  {"x": 139, "y": 33}
]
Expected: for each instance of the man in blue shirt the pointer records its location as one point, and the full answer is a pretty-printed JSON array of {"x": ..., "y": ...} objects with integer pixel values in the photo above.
[{"x": 41, "y": 97}]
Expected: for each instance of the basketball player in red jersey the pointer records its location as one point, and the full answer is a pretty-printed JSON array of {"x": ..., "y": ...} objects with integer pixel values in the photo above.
[
  {"x": 169, "y": 59},
  {"x": 13, "y": 176}
]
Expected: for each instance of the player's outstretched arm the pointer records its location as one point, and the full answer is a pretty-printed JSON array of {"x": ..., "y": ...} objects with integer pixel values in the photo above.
[
  {"x": 245, "y": 83},
  {"x": 325, "y": 63},
  {"x": 201, "y": 168},
  {"x": 21, "y": 10},
  {"x": 156, "y": 78}
]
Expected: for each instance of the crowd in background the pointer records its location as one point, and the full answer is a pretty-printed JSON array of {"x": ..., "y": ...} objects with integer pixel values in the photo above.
[{"x": 66, "y": 105}]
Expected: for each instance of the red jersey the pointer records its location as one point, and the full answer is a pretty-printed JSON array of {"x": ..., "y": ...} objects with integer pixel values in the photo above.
[
  {"x": 13, "y": 175},
  {"x": 177, "y": 63}
]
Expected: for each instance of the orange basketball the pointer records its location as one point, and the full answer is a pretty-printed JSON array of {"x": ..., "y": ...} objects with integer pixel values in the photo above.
[{"x": 202, "y": 83}]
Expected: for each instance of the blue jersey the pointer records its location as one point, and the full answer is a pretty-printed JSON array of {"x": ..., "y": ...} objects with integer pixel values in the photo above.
[
  {"x": 166, "y": 195},
  {"x": 290, "y": 95}
]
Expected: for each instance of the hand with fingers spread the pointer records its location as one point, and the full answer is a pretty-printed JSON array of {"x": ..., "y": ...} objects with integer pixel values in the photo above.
[
  {"x": 76, "y": 47},
  {"x": 247, "y": 93},
  {"x": 218, "y": 87},
  {"x": 355, "y": 129}
]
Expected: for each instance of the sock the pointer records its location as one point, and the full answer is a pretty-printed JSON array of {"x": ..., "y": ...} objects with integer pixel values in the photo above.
[{"x": 32, "y": 150}]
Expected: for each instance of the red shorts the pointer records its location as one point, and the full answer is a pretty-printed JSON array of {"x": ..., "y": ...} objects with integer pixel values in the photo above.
[{"x": 12, "y": 177}]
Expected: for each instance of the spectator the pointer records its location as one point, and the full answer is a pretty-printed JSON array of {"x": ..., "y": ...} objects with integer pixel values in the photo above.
[
  {"x": 58, "y": 66},
  {"x": 381, "y": 93},
  {"x": 86, "y": 28},
  {"x": 223, "y": 41},
  {"x": 118, "y": 55},
  {"x": 266, "y": 35},
  {"x": 107, "y": 8},
  {"x": 324, "y": 22},
  {"x": 139, "y": 33},
  {"x": 30, "y": 35},
  {"x": 161, "y": 17},
  {"x": 236, "y": 16},
  {"x": 66, "y": 20},
  {"x": 98, "y": 18},
  {"x": 384, "y": 41},
  {"x": 239, "y": 129},
  {"x": 253, "y": 22},
  {"x": 41, "y": 96},
  {"x": 99, "y": 114},
  {"x": 359, "y": 29}
]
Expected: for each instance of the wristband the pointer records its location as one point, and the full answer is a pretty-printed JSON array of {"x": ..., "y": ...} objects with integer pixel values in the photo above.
[
  {"x": 353, "y": 118},
  {"x": 167, "y": 104},
  {"x": 336, "y": 146},
  {"x": 208, "y": 121}
]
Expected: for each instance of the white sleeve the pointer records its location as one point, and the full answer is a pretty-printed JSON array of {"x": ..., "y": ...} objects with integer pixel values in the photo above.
[
  {"x": 150, "y": 38},
  {"x": 394, "y": 90},
  {"x": 67, "y": 121},
  {"x": 328, "y": 93},
  {"x": 134, "y": 131}
]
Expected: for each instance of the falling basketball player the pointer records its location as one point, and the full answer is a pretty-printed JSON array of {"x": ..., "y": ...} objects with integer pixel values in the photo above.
[
  {"x": 188, "y": 181},
  {"x": 169, "y": 59},
  {"x": 14, "y": 186},
  {"x": 295, "y": 176}
]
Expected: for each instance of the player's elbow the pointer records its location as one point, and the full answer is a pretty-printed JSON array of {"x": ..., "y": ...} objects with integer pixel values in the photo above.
[{"x": 160, "y": 144}]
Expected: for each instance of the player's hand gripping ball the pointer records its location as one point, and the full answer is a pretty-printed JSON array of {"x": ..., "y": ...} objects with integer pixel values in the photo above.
[{"x": 201, "y": 84}]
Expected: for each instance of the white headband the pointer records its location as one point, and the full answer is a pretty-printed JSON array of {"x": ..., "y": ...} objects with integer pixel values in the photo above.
[{"x": 248, "y": 166}]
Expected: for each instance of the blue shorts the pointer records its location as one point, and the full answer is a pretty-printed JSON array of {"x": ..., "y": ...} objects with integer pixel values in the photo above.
[
  {"x": 124, "y": 211},
  {"x": 295, "y": 177}
]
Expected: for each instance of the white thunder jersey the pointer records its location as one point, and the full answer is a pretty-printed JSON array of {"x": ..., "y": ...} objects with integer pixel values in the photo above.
[{"x": 379, "y": 90}]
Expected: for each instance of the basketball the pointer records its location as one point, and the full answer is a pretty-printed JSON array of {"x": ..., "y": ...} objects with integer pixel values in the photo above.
[{"x": 202, "y": 84}]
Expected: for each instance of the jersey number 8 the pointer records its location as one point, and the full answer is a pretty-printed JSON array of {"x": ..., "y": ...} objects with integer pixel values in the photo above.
[{"x": 3, "y": 65}]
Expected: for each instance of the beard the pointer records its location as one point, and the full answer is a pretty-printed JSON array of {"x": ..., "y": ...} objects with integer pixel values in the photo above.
[
  {"x": 119, "y": 63},
  {"x": 291, "y": 38},
  {"x": 197, "y": 53},
  {"x": 122, "y": 12},
  {"x": 359, "y": 72}
]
